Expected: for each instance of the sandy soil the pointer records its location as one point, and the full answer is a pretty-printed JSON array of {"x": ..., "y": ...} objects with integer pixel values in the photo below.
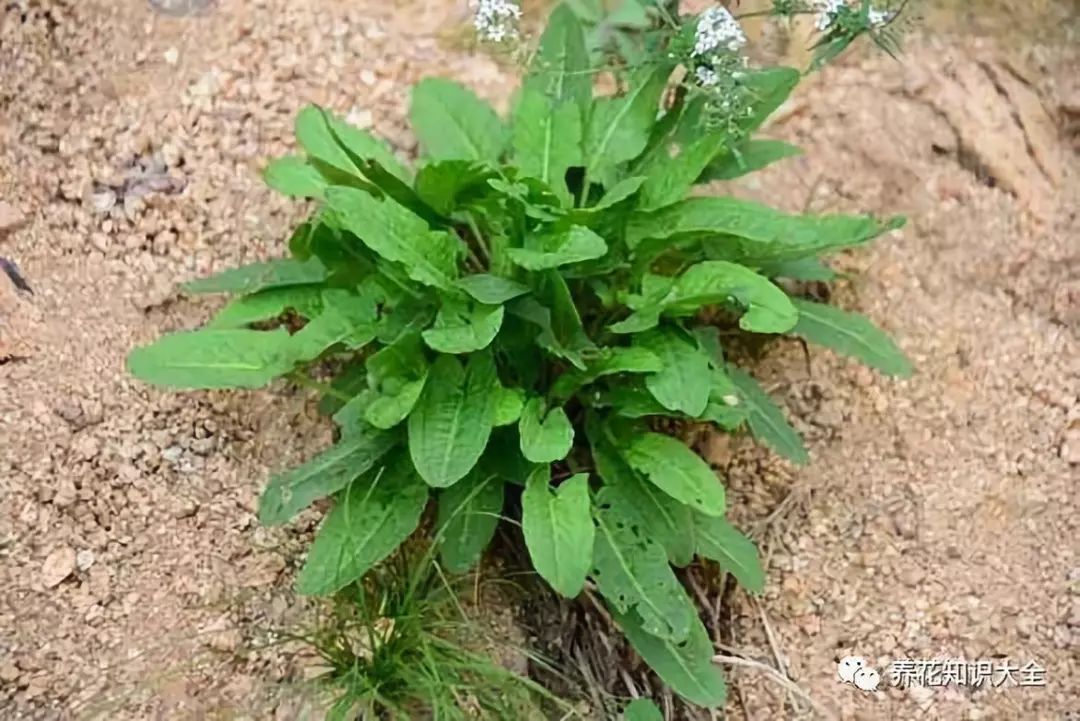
[{"x": 936, "y": 520}]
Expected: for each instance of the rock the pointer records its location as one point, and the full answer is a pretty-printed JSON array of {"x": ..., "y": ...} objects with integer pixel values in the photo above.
[
  {"x": 922, "y": 696},
  {"x": 1070, "y": 444},
  {"x": 59, "y": 565},
  {"x": 10, "y": 217},
  {"x": 226, "y": 641},
  {"x": 103, "y": 200},
  {"x": 84, "y": 559},
  {"x": 185, "y": 507},
  {"x": 172, "y": 56},
  {"x": 9, "y": 672},
  {"x": 172, "y": 453},
  {"x": 359, "y": 117}
]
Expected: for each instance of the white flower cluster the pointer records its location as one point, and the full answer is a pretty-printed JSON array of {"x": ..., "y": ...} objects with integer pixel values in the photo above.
[
  {"x": 496, "y": 20},
  {"x": 707, "y": 77},
  {"x": 717, "y": 28},
  {"x": 879, "y": 17},
  {"x": 827, "y": 10}
]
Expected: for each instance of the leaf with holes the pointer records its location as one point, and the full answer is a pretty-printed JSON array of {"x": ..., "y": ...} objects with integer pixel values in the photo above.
[
  {"x": 665, "y": 520},
  {"x": 631, "y": 571}
]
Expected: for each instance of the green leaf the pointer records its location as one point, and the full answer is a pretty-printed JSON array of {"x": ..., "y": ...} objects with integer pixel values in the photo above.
[
  {"x": 316, "y": 130},
  {"x": 387, "y": 410},
  {"x": 448, "y": 184},
  {"x": 767, "y": 422},
  {"x": 265, "y": 305},
  {"x": 453, "y": 124},
  {"x": 545, "y": 437},
  {"x": 398, "y": 235},
  {"x": 295, "y": 177},
  {"x": 726, "y": 408},
  {"x": 560, "y": 70},
  {"x": 619, "y": 192},
  {"x": 686, "y": 667},
  {"x": 610, "y": 361},
  {"x": 552, "y": 309},
  {"x": 452, "y": 421},
  {"x": 718, "y": 541},
  {"x": 260, "y": 276},
  {"x": 673, "y": 177},
  {"x": 631, "y": 571},
  {"x": 350, "y": 380},
  {"x": 749, "y": 233},
  {"x": 769, "y": 88},
  {"x": 373, "y": 516},
  {"x": 464, "y": 327},
  {"x": 676, "y": 470},
  {"x": 852, "y": 335},
  {"x": 664, "y": 519},
  {"x": 469, "y": 512},
  {"x": 547, "y": 139},
  {"x": 806, "y": 269},
  {"x": 631, "y": 401},
  {"x": 347, "y": 319},
  {"x": 748, "y": 157},
  {"x": 767, "y": 308},
  {"x": 574, "y": 245},
  {"x": 642, "y": 710},
  {"x": 213, "y": 359},
  {"x": 396, "y": 378},
  {"x": 491, "y": 289},
  {"x": 618, "y": 128},
  {"x": 289, "y": 493},
  {"x": 558, "y": 530},
  {"x": 682, "y": 384},
  {"x": 508, "y": 405}
]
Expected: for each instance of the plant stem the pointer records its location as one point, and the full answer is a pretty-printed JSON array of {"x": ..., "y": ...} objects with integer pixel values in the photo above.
[
  {"x": 302, "y": 379},
  {"x": 475, "y": 230}
]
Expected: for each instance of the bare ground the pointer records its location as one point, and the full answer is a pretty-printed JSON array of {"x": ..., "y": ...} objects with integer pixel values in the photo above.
[{"x": 937, "y": 519}]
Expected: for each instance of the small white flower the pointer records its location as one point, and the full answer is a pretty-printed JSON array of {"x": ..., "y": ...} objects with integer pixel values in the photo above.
[
  {"x": 827, "y": 12},
  {"x": 878, "y": 18},
  {"x": 717, "y": 28},
  {"x": 707, "y": 77},
  {"x": 496, "y": 20}
]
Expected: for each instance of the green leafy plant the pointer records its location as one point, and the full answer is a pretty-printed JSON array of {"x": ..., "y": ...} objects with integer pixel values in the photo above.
[{"x": 522, "y": 314}]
